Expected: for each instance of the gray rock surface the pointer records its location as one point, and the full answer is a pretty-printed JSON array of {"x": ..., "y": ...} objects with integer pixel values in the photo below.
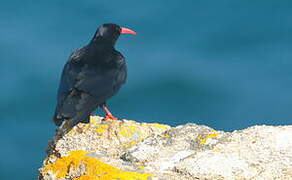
[{"x": 190, "y": 151}]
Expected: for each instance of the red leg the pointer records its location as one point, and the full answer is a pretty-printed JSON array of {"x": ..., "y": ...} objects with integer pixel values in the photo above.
[{"x": 108, "y": 113}]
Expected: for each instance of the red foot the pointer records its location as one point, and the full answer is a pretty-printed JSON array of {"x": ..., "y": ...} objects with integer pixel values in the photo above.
[{"x": 109, "y": 117}]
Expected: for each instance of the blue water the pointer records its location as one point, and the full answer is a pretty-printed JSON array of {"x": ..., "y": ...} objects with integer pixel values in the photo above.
[{"x": 226, "y": 64}]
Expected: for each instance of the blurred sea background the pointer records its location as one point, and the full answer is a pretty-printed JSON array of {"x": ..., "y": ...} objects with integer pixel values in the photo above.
[{"x": 226, "y": 64}]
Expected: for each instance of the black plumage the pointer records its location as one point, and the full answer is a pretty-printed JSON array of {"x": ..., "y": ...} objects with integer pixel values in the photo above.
[{"x": 91, "y": 76}]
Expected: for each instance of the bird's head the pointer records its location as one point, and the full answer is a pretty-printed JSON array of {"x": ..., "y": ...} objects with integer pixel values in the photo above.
[{"x": 109, "y": 33}]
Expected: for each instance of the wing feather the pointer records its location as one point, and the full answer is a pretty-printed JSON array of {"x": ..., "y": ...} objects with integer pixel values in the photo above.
[{"x": 84, "y": 87}]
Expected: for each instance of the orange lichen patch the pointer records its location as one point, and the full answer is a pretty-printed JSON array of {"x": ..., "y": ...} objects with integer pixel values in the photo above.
[
  {"x": 94, "y": 168},
  {"x": 203, "y": 139},
  {"x": 85, "y": 177}
]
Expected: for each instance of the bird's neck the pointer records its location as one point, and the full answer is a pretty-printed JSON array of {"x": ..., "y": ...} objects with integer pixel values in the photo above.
[{"x": 103, "y": 41}]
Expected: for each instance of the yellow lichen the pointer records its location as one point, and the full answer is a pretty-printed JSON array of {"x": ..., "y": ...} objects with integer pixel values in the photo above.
[
  {"x": 95, "y": 169},
  {"x": 128, "y": 131},
  {"x": 94, "y": 120},
  {"x": 203, "y": 139},
  {"x": 85, "y": 177},
  {"x": 130, "y": 144},
  {"x": 100, "y": 128},
  {"x": 160, "y": 126},
  {"x": 165, "y": 134},
  {"x": 141, "y": 167}
]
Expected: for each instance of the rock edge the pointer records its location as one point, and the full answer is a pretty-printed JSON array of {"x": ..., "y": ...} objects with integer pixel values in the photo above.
[{"x": 126, "y": 149}]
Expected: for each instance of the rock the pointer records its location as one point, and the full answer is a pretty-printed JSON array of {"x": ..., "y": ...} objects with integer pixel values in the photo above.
[{"x": 126, "y": 149}]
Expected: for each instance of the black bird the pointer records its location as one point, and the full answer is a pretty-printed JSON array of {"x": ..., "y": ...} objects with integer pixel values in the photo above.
[{"x": 91, "y": 76}]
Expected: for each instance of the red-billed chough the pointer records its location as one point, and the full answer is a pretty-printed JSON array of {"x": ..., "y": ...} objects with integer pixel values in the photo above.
[{"x": 91, "y": 76}]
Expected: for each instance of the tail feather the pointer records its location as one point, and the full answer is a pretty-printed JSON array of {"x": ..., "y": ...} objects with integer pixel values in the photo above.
[
  {"x": 66, "y": 124},
  {"x": 57, "y": 120},
  {"x": 75, "y": 108}
]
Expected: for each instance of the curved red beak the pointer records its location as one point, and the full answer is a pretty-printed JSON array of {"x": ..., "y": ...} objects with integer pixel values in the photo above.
[{"x": 127, "y": 31}]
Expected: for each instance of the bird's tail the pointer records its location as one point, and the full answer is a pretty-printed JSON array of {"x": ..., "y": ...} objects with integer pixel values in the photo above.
[
  {"x": 65, "y": 124},
  {"x": 57, "y": 120},
  {"x": 74, "y": 109}
]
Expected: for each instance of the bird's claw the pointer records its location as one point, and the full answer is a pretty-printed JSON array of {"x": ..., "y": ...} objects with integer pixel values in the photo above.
[{"x": 109, "y": 117}]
